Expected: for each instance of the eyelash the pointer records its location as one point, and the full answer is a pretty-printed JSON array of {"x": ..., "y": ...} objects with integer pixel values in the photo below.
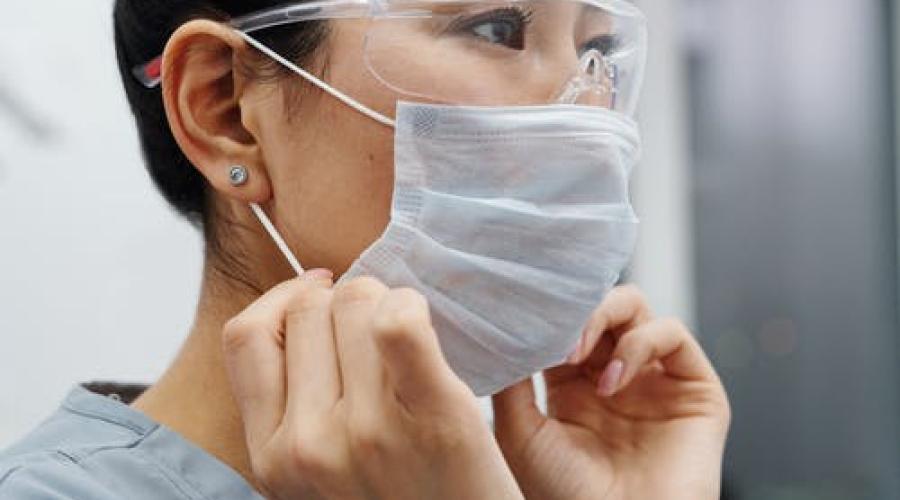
[
  {"x": 522, "y": 18},
  {"x": 516, "y": 15}
]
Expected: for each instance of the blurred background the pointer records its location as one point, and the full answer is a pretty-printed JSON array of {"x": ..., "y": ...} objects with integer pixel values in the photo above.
[{"x": 769, "y": 194}]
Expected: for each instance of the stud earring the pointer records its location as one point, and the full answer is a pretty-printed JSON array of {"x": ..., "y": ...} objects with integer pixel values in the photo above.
[{"x": 238, "y": 175}]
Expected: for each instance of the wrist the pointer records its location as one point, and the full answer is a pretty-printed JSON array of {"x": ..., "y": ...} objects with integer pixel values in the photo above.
[{"x": 484, "y": 475}]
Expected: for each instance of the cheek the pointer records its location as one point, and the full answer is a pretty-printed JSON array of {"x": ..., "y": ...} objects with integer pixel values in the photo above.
[
  {"x": 333, "y": 183},
  {"x": 338, "y": 164}
]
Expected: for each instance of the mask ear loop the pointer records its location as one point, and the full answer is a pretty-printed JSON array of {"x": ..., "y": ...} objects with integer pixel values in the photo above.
[
  {"x": 337, "y": 94},
  {"x": 276, "y": 237}
]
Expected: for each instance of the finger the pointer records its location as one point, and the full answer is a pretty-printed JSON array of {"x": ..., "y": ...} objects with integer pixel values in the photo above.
[
  {"x": 313, "y": 379},
  {"x": 409, "y": 348},
  {"x": 353, "y": 311},
  {"x": 667, "y": 342},
  {"x": 253, "y": 350},
  {"x": 516, "y": 415},
  {"x": 624, "y": 306}
]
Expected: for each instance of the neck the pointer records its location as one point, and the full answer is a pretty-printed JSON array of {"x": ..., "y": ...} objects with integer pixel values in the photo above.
[{"x": 193, "y": 397}]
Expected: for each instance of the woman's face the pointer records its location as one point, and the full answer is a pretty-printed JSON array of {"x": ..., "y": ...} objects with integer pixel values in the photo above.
[{"x": 331, "y": 168}]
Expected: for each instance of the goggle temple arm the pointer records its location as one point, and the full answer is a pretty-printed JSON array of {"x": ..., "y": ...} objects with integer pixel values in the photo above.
[{"x": 149, "y": 74}]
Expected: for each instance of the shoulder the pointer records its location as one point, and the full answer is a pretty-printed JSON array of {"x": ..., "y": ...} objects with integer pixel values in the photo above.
[
  {"x": 88, "y": 449},
  {"x": 98, "y": 448},
  {"x": 48, "y": 475}
]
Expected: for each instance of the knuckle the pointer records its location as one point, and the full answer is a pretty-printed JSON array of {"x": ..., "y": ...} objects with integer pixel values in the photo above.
[
  {"x": 359, "y": 290},
  {"x": 308, "y": 299},
  {"x": 405, "y": 307},
  {"x": 636, "y": 342},
  {"x": 625, "y": 294},
  {"x": 630, "y": 345},
  {"x": 238, "y": 333},
  {"x": 676, "y": 326},
  {"x": 296, "y": 287},
  {"x": 306, "y": 456},
  {"x": 368, "y": 438},
  {"x": 409, "y": 297},
  {"x": 403, "y": 318},
  {"x": 286, "y": 286}
]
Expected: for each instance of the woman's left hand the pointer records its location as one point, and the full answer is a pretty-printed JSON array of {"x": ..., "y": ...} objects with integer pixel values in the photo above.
[{"x": 637, "y": 413}]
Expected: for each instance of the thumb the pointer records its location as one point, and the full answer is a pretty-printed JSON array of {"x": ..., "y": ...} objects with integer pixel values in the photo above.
[{"x": 516, "y": 416}]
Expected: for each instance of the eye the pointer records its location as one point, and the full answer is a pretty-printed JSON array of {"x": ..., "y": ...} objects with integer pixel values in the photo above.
[
  {"x": 605, "y": 44},
  {"x": 506, "y": 27}
]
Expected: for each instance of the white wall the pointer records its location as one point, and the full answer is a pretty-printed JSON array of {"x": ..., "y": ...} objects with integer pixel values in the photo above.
[
  {"x": 896, "y": 34},
  {"x": 97, "y": 278},
  {"x": 663, "y": 265}
]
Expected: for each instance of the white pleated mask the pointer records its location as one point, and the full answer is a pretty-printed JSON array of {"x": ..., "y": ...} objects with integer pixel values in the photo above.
[{"x": 514, "y": 223}]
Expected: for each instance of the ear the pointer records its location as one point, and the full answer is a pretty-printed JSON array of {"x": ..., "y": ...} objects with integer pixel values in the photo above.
[{"x": 202, "y": 94}]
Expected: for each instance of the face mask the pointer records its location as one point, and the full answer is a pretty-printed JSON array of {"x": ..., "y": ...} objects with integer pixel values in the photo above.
[{"x": 514, "y": 223}]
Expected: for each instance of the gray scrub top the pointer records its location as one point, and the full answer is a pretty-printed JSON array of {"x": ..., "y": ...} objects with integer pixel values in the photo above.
[{"x": 97, "y": 448}]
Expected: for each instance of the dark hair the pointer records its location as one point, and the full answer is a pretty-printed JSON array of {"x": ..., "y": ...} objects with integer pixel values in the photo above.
[{"x": 142, "y": 28}]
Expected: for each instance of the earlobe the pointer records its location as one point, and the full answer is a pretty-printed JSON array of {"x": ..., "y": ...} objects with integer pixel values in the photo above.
[{"x": 202, "y": 97}]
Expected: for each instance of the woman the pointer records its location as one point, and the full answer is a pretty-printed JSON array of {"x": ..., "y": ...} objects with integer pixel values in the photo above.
[{"x": 462, "y": 168}]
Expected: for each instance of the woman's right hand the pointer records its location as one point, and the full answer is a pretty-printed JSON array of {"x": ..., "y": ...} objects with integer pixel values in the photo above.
[{"x": 344, "y": 393}]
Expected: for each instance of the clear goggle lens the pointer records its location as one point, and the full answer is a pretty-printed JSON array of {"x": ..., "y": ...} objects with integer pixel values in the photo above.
[{"x": 506, "y": 53}]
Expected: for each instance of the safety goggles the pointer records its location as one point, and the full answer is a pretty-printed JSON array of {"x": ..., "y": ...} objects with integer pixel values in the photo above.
[{"x": 487, "y": 52}]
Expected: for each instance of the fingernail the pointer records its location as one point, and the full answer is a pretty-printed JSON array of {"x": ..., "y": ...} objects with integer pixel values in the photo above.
[
  {"x": 317, "y": 274},
  {"x": 611, "y": 378}
]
